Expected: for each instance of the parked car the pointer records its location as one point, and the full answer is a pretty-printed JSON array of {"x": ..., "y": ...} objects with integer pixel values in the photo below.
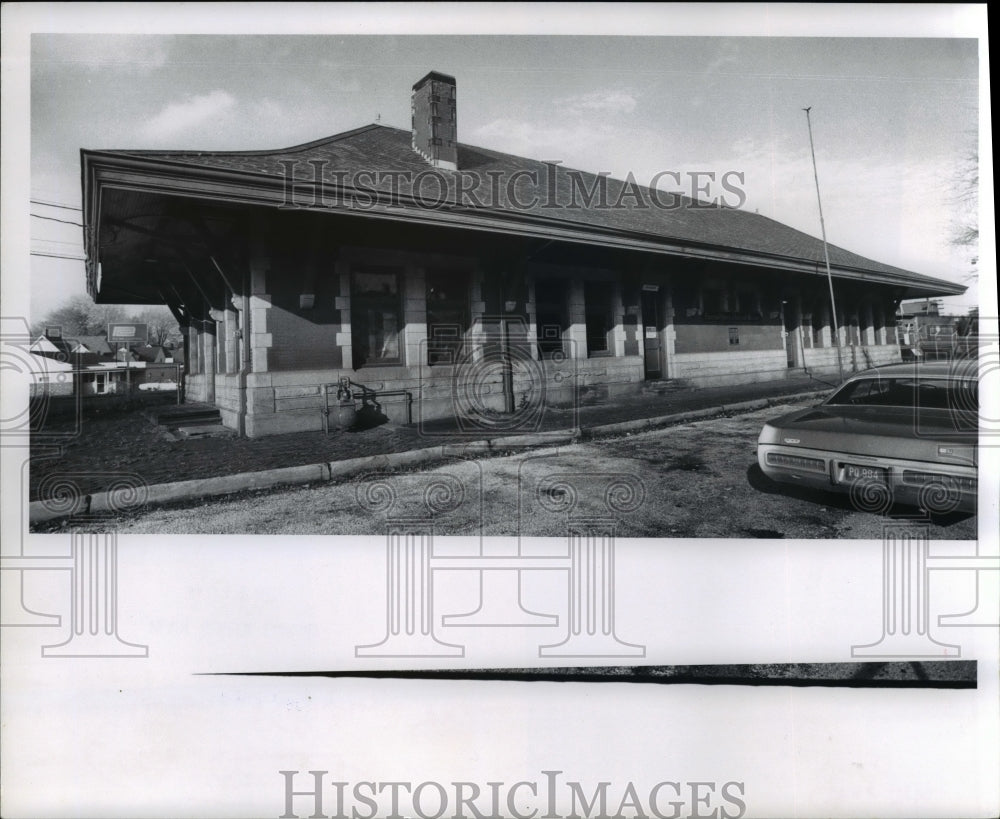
[{"x": 904, "y": 433}]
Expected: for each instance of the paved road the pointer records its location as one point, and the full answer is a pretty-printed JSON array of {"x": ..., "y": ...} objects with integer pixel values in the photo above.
[{"x": 692, "y": 480}]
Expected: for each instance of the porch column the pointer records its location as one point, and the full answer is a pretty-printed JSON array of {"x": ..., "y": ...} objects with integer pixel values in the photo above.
[
  {"x": 617, "y": 322},
  {"x": 669, "y": 333},
  {"x": 231, "y": 323},
  {"x": 256, "y": 330},
  {"x": 531, "y": 313},
  {"x": 209, "y": 358},
  {"x": 885, "y": 337},
  {"x": 344, "y": 338},
  {"x": 577, "y": 314},
  {"x": 868, "y": 338},
  {"x": 826, "y": 327},
  {"x": 414, "y": 330}
]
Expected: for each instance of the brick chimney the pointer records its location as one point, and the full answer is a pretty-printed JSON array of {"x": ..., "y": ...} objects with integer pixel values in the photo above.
[{"x": 435, "y": 123}]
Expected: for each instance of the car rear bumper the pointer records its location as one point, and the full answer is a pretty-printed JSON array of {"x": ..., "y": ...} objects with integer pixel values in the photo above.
[{"x": 871, "y": 481}]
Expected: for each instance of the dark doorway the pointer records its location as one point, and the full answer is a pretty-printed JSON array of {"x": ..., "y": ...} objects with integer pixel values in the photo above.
[{"x": 791, "y": 335}]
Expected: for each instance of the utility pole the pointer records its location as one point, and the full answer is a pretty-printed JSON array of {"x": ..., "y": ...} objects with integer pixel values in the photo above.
[{"x": 826, "y": 253}]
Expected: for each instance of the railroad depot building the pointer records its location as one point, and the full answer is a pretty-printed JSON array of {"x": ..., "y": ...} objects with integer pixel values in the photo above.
[{"x": 442, "y": 278}]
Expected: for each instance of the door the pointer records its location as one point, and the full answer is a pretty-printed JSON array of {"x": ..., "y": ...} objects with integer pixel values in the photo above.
[
  {"x": 651, "y": 334},
  {"x": 791, "y": 337}
]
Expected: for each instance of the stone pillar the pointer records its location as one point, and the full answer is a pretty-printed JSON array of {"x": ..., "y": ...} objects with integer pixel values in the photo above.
[
  {"x": 531, "y": 312},
  {"x": 413, "y": 333},
  {"x": 826, "y": 328},
  {"x": 617, "y": 322},
  {"x": 668, "y": 335},
  {"x": 577, "y": 315},
  {"x": 868, "y": 325},
  {"x": 256, "y": 329},
  {"x": 193, "y": 361},
  {"x": 208, "y": 358},
  {"x": 231, "y": 321},
  {"x": 343, "y": 305}
]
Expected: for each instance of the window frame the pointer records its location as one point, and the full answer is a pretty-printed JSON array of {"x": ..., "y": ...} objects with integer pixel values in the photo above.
[
  {"x": 462, "y": 305},
  {"x": 361, "y": 304},
  {"x": 547, "y": 348},
  {"x": 602, "y": 308}
]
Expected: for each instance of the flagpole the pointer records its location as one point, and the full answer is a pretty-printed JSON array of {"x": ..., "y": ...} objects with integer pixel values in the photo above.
[{"x": 826, "y": 253}]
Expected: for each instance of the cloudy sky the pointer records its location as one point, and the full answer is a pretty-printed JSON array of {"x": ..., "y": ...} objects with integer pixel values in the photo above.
[{"x": 895, "y": 120}]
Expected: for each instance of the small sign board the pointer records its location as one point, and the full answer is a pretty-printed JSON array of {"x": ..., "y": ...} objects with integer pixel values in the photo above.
[
  {"x": 55, "y": 331},
  {"x": 130, "y": 333}
]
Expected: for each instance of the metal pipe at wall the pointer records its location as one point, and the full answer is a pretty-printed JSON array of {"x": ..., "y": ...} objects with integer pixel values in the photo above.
[
  {"x": 364, "y": 393},
  {"x": 245, "y": 363}
]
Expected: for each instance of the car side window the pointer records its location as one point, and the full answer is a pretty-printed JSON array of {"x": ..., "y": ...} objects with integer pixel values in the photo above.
[
  {"x": 859, "y": 392},
  {"x": 909, "y": 392}
]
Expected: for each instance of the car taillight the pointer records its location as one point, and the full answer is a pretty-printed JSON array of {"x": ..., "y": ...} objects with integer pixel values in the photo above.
[
  {"x": 911, "y": 477},
  {"x": 796, "y": 462}
]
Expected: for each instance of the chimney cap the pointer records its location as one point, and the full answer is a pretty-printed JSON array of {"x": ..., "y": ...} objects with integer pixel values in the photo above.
[{"x": 433, "y": 75}]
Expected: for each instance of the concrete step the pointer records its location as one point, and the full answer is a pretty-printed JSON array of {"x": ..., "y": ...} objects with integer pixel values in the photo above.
[
  {"x": 185, "y": 415},
  {"x": 660, "y": 387},
  {"x": 204, "y": 431}
]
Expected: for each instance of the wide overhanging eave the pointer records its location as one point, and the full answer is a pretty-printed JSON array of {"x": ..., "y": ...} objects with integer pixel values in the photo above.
[{"x": 174, "y": 178}]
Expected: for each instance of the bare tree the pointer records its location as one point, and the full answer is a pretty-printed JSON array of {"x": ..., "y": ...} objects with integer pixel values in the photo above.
[
  {"x": 160, "y": 322},
  {"x": 965, "y": 231},
  {"x": 80, "y": 316}
]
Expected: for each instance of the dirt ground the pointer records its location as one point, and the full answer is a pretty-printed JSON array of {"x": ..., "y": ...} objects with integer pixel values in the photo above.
[
  {"x": 111, "y": 445},
  {"x": 695, "y": 480}
]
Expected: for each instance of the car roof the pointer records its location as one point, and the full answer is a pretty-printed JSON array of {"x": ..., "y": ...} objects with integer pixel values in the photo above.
[{"x": 931, "y": 369}]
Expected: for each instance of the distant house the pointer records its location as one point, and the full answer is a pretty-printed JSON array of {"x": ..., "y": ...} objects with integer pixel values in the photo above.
[
  {"x": 94, "y": 367},
  {"x": 423, "y": 268},
  {"x": 103, "y": 381},
  {"x": 59, "y": 349},
  {"x": 98, "y": 345},
  {"x": 49, "y": 374},
  {"x": 150, "y": 354}
]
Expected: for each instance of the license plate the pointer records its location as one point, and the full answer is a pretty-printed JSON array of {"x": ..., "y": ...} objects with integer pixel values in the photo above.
[{"x": 853, "y": 472}]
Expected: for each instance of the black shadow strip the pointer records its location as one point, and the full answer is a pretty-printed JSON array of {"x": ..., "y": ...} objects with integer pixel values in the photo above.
[{"x": 911, "y": 674}]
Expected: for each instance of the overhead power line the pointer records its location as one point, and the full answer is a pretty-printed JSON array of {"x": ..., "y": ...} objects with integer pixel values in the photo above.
[
  {"x": 59, "y": 256},
  {"x": 53, "y": 219},
  {"x": 54, "y": 204}
]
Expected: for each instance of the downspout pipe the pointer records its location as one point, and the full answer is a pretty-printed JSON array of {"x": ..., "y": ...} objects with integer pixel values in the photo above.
[{"x": 244, "y": 351}]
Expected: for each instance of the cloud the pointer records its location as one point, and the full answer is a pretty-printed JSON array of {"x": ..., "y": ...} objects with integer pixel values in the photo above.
[
  {"x": 727, "y": 56},
  {"x": 181, "y": 118},
  {"x": 858, "y": 193},
  {"x": 587, "y": 129},
  {"x": 606, "y": 102},
  {"x": 131, "y": 52},
  {"x": 557, "y": 142}
]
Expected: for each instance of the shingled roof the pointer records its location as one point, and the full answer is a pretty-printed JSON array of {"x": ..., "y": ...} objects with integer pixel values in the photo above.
[{"x": 669, "y": 219}]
